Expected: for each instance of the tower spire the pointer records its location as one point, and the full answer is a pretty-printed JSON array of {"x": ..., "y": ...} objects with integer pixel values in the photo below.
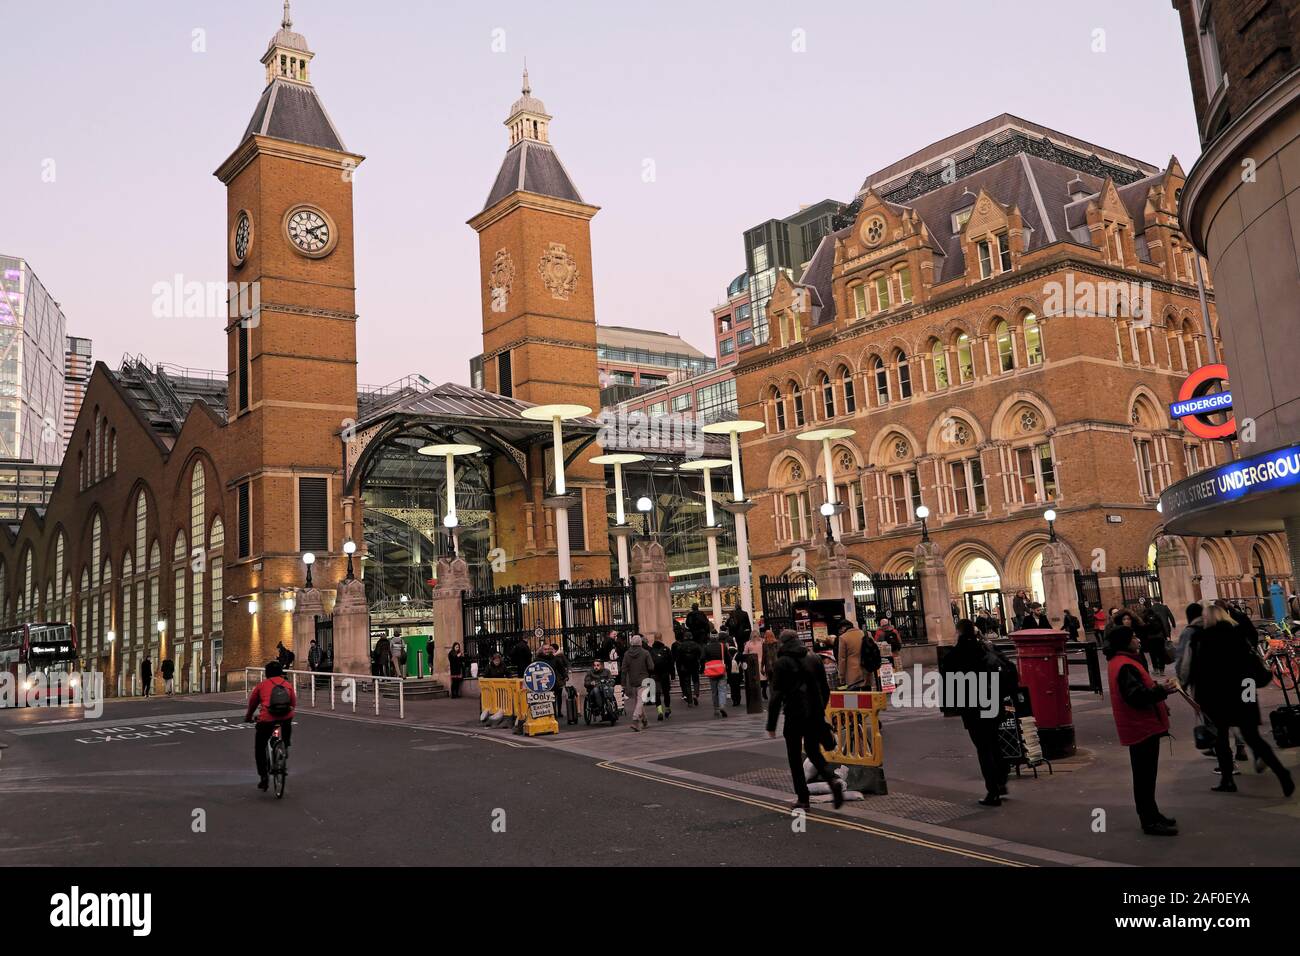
[
  {"x": 287, "y": 55},
  {"x": 528, "y": 118},
  {"x": 287, "y": 22},
  {"x": 527, "y": 90}
]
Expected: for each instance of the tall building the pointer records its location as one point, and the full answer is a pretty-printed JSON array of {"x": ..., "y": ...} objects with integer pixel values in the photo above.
[
  {"x": 32, "y": 332},
  {"x": 78, "y": 363},
  {"x": 782, "y": 247},
  {"x": 1002, "y": 326},
  {"x": 1241, "y": 208}
]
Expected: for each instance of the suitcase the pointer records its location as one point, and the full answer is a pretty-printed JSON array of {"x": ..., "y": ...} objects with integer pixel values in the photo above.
[
  {"x": 570, "y": 704},
  {"x": 1285, "y": 721}
]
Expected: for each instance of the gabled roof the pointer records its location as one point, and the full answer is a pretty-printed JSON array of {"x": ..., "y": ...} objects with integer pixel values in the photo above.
[
  {"x": 532, "y": 167},
  {"x": 293, "y": 112}
]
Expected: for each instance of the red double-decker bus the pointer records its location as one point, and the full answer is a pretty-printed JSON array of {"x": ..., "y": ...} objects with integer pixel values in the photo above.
[{"x": 39, "y": 648}]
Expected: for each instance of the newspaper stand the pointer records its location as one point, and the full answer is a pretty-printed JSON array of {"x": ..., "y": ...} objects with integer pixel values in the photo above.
[{"x": 1018, "y": 736}]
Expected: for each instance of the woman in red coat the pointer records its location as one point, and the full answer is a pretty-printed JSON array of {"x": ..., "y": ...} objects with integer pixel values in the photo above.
[{"x": 1142, "y": 719}]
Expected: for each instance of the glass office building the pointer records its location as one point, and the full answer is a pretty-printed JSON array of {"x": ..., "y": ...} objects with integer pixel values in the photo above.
[{"x": 32, "y": 340}]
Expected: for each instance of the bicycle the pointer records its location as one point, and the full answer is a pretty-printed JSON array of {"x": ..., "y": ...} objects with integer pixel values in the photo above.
[{"x": 278, "y": 760}]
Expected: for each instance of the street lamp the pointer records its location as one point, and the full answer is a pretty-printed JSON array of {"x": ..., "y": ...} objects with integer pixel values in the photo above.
[
  {"x": 309, "y": 559},
  {"x": 162, "y": 625},
  {"x": 734, "y": 428},
  {"x": 556, "y": 414},
  {"x": 621, "y": 531},
  {"x": 252, "y": 605},
  {"x": 922, "y": 512},
  {"x": 449, "y": 453},
  {"x": 1050, "y": 516},
  {"x": 826, "y": 436},
  {"x": 711, "y": 532},
  {"x": 350, "y": 548}
]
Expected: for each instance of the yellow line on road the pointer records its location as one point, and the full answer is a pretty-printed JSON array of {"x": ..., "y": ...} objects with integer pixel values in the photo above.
[{"x": 818, "y": 818}]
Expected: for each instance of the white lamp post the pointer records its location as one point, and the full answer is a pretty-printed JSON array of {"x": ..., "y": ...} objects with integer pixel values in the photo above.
[
  {"x": 618, "y": 461},
  {"x": 735, "y": 428},
  {"x": 826, "y": 436},
  {"x": 707, "y": 465},
  {"x": 308, "y": 559},
  {"x": 556, "y": 414},
  {"x": 449, "y": 453}
]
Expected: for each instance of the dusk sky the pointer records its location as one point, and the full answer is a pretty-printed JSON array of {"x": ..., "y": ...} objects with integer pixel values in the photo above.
[{"x": 739, "y": 126}]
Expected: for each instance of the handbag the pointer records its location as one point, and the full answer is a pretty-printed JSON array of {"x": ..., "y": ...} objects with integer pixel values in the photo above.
[{"x": 1204, "y": 737}]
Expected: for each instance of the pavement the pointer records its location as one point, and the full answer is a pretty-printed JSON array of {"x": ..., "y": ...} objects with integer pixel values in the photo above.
[{"x": 170, "y": 781}]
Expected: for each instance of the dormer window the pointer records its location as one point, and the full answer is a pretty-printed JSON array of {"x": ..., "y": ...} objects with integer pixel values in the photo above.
[
  {"x": 986, "y": 258},
  {"x": 1004, "y": 252},
  {"x": 960, "y": 218}
]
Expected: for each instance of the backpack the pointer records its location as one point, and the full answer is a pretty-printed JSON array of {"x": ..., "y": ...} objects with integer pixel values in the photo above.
[
  {"x": 280, "y": 704},
  {"x": 869, "y": 654}
]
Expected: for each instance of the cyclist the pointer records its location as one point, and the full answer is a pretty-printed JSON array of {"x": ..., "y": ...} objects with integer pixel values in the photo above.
[{"x": 278, "y": 701}]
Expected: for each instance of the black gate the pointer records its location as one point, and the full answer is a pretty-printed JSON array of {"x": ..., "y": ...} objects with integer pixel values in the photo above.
[
  {"x": 1138, "y": 583},
  {"x": 325, "y": 641},
  {"x": 1088, "y": 590},
  {"x": 575, "y": 617},
  {"x": 778, "y": 596},
  {"x": 895, "y": 597}
]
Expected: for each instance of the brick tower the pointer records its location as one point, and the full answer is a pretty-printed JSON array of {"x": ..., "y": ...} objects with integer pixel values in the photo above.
[
  {"x": 539, "y": 339},
  {"x": 291, "y": 342}
]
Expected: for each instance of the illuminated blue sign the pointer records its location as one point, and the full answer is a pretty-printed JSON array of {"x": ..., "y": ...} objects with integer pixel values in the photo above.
[
  {"x": 1276, "y": 470},
  {"x": 1201, "y": 405}
]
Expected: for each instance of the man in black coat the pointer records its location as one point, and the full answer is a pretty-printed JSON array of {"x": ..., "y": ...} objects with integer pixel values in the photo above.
[
  {"x": 664, "y": 666},
  {"x": 799, "y": 688},
  {"x": 688, "y": 657},
  {"x": 698, "y": 624},
  {"x": 521, "y": 656}
]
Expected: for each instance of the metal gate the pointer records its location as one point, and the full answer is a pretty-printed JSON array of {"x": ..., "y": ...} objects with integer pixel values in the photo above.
[
  {"x": 325, "y": 641},
  {"x": 575, "y": 617},
  {"x": 896, "y": 597},
  {"x": 1088, "y": 590},
  {"x": 778, "y": 596},
  {"x": 1138, "y": 583}
]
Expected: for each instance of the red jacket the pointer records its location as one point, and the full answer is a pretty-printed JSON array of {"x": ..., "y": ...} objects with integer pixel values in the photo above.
[
  {"x": 261, "y": 697},
  {"x": 1136, "y": 723}
]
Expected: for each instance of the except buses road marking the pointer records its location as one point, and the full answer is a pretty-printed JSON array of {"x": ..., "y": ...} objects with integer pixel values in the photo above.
[{"x": 832, "y": 821}]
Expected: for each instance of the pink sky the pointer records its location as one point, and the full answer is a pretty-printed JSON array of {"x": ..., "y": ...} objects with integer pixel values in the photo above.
[{"x": 740, "y": 129}]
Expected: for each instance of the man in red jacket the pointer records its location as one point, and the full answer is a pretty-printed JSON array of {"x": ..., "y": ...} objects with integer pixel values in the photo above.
[
  {"x": 270, "y": 696},
  {"x": 1142, "y": 718}
]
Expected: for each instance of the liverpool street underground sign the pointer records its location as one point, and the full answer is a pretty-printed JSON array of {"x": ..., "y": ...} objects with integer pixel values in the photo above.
[
  {"x": 1197, "y": 402},
  {"x": 1240, "y": 496}
]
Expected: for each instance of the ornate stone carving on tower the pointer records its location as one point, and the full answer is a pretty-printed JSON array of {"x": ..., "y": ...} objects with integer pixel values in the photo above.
[{"x": 539, "y": 334}]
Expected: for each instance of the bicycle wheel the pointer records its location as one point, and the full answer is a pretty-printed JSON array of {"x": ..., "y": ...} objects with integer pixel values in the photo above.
[{"x": 279, "y": 767}]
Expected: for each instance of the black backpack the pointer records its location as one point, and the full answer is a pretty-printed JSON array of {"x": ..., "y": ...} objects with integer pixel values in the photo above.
[
  {"x": 280, "y": 703},
  {"x": 869, "y": 655}
]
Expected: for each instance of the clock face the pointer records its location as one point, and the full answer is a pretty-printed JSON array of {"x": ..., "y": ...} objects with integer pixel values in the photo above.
[
  {"x": 309, "y": 231},
  {"x": 243, "y": 236}
]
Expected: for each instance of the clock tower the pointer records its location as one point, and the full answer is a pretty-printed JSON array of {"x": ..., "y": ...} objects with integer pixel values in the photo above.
[
  {"x": 291, "y": 337},
  {"x": 539, "y": 339}
]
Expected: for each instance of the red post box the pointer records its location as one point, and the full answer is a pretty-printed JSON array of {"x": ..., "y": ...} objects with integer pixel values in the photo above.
[{"x": 1045, "y": 674}]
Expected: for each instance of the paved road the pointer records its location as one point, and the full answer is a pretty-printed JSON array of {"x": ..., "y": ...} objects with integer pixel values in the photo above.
[{"x": 131, "y": 787}]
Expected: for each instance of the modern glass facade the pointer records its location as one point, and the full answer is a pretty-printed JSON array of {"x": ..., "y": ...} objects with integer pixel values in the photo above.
[
  {"x": 32, "y": 339},
  {"x": 23, "y": 484},
  {"x": 783, "y": 245}
]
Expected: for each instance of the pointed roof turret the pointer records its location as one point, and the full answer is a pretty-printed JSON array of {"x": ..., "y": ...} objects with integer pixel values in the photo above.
[{"x": 531, "y": 164}]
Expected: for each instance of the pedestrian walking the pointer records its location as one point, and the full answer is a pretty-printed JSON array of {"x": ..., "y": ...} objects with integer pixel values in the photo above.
[
  {"x": 380, "y": 657},
  {"x": 1141, "y": 718},
  {"x": 397, "y": 652},
  {"x": 688, "y": 655},
  {"x": 664, "y": 667},
  {"x": 770, "y": 647},
  {"x": 799, "y": 689},
  {"x": 1222, "y": 665},
  {"x": 858, "y": 659},
  {"x": 168, "y": 670},
  {"x": 146, "y": 676},
  {"x": 734, "y": 677},
  {"x": 717, "y": 662},
  {"x": 975, "y": 668},
  {"x": 752, "y": 656},
  {"x": 637, "y": 675},
  {"x": 456, "y": 668},
  {"x": 1071, "y": 624},
  {"x": 1155, "y": 635},
  {"x": 1099, "y": 621},
  {"x": 698, "y": 624}
]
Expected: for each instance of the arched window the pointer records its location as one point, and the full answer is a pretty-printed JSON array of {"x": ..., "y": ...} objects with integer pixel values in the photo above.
[
  {"x": 850, "y": 400},
  {"x": 217, "y": 544},
  {"x": 965, "y": 358},
  {"x": 155, "y": 590},
  {"x": 905, "y": 285},
  {"x": 797, "y": 395},
  {"x": 179, "y": 556},
  {"x": 778, "y": 404},
  {"x": 940, "y": 357},
  {"x": 112, "y": 452},
  {"x": 198, "y": 544},
  {"x": 883, "y": 300},
  {"x": 881, "y": 376},
  {"x": 828, "y": 394},
  {"x": 1006, "y": 350},
  {"x": 1033, "y": 340},
  {"x": 904, "y": 374},
  {"x": 97, "y": 458}
]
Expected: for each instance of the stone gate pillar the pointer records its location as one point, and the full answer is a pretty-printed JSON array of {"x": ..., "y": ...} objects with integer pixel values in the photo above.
[
  {"x": 933, "y": 579},
  {"x": 835, "y": 577},
  {"x": 351, "y": 628},
  {"x": 654, "y": 600},
  {"x": 307, "y": 605},
  {"x": 1174, "y": 565},
  {"x": 448, "y": 614},
  {"x": 1059, "y": 591}
]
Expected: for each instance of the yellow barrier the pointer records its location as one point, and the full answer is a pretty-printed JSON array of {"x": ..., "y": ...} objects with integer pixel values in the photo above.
[
  {"x": 855, "y": 724},
  {"x": 533, "y": 725},
  {"x": 499, "y": 694}
]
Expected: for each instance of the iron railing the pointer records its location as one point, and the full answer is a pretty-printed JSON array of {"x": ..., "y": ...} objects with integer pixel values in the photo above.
[{"x": 575, "y": 617}]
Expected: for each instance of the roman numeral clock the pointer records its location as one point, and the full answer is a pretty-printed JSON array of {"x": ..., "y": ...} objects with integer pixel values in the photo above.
[{"x": 310, "y": 231}]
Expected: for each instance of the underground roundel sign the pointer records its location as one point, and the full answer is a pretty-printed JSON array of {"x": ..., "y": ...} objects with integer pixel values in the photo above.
[
  {"x": 1196, "y": 403},
  {"x": 539, "y": 677}
]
